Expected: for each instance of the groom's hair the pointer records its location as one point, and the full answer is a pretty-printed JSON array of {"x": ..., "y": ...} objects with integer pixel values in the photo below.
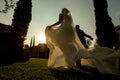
[{"x": 77, "y": 26}]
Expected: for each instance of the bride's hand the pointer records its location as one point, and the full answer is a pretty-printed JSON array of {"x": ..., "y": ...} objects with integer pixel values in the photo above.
[{"x": 49, "y": 27}]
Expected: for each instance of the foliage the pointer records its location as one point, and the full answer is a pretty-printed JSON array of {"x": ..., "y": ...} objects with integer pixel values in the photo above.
[
  {"x": 8, "y": 5},
  {"x": 5, "y": 28},
  {"x": 36, "y": 69},
  {"x": 22, "y": 17},
  {"x": 20, "y": 22},
  {"x": 32, "y": 42},
  {"x": 97, "y": 43},
  {"x": 104, "y": 26}
]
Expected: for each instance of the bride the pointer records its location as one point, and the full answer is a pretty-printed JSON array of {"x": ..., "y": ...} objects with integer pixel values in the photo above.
[{"x": 66, "y": 48}]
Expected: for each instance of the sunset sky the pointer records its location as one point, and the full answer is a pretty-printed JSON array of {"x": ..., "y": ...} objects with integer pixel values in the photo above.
[{"x": 46, "y": 12}]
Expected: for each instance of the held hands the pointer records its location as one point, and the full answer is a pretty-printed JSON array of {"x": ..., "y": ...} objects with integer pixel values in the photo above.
[{"x": 91, "y": 38}]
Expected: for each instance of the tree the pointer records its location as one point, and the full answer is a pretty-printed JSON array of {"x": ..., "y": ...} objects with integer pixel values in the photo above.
[
  {"x": 20, "y": 22},
  {"x": 104, "y": 26},
  {"x": 13, "y": 41},
  {"x": 32, "y": 42},
  {"x": 7, "y": 6}
]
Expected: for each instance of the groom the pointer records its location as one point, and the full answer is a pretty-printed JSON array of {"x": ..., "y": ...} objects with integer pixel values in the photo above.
[{"x": 82, "y": 35}]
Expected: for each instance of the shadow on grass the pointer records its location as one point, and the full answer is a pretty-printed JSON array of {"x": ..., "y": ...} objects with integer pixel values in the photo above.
[{"x": 85, "y": 73}]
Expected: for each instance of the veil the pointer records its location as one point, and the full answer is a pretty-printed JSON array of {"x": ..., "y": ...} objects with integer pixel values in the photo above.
[
  {"x": 63, "y": 42},
  {"x": 66, "y": 48}
]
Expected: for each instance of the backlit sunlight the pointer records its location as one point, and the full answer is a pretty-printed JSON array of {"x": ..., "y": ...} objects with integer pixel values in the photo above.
[{"x": 41, "y": 38}]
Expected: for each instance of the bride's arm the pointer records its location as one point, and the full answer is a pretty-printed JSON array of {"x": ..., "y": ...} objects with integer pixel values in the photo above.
[{"x": 58, "y": 22}]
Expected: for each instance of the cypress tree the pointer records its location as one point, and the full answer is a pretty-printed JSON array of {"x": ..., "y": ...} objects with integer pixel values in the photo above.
[
  {"x": 20, "y": 22},
  {"x": 104, "y": 26}
]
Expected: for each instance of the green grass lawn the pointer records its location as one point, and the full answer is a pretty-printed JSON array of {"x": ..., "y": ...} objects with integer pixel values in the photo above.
[{"x": 36, "y": 69}]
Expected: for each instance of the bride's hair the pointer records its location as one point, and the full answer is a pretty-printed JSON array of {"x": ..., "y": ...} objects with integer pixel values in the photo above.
[{"x": 64, "y": 9}]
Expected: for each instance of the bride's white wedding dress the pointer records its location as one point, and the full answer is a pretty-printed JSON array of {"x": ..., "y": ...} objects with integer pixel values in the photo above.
[{"x": 66, "y": 49}]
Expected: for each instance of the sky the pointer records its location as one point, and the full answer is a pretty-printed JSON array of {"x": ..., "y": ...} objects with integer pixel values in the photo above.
[{"x": 46, "y": 12}]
